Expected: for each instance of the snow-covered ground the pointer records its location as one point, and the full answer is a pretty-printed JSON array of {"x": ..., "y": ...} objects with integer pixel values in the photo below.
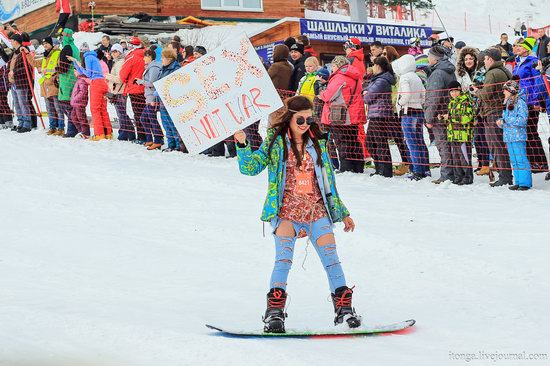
[{"x": 112, "y": 255}]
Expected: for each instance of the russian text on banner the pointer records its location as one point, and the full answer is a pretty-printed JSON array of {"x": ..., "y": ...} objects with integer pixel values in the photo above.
[{"x": 218, "y": 94}]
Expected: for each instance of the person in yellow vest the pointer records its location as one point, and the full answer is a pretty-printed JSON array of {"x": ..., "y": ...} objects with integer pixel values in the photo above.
[
  {"x": 306, "y": 86},
  {"x": 48, "y": 86}
]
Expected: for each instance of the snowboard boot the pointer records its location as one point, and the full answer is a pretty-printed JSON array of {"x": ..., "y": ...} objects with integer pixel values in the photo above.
[
  {"x": 341, "y": 300},
  {"x": 275, "y": 315}
]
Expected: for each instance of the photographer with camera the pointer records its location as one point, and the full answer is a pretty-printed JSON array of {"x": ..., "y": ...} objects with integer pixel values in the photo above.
[{"x": 530, "y": 80}]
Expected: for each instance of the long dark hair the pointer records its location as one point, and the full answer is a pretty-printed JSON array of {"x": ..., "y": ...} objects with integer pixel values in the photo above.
[
  {"x": 384, "y": 64},
  {"x": 281, "y": 125}
]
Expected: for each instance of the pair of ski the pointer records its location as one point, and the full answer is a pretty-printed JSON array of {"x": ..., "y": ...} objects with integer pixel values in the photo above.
[{"x": 361, "y": 331}]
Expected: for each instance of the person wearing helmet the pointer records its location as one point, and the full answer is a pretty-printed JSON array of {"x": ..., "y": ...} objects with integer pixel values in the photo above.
[
  {"x": 414, "y": 48},
  {"x": 355, "y": 55}
]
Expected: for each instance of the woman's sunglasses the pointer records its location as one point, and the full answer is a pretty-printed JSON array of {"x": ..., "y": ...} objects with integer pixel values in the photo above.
[{"x": 301, "y": 120}]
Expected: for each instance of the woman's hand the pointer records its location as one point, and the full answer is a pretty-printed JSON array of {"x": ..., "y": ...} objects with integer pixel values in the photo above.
[
  {"x": 499, "y": 123},
  {"x": 349, "y": 225},
  {"x": 240, "y": 136},
  {"x": 70, "y": 58}
]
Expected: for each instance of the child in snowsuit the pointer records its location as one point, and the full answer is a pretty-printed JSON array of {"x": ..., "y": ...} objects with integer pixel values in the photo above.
[
  {"x": 79, "y": 101},
  {"x": 302, "y": 199},
  {"x": 321, "y": 80},
  {"x": 306, "y": 85},
  {"x": 98, "y": 89},
  {"x": 460, "y": 121},
  {"x": 514, "y": 124}
]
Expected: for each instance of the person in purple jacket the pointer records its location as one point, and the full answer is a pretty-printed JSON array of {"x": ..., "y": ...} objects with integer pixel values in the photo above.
[
  {"x": 377, "y": 96},
  {"x": 79, "y": 101}
]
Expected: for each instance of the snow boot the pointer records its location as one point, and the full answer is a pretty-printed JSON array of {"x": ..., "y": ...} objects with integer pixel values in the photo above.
[
  {"x": 341, "y": 299},
  {"x": 275, "y": 315},
  {"x": 401, "y": 170},
  {"x": 483, "y": 171},
  {"x": 154, "y": 147},
  {"x": 51, "y": 131}
]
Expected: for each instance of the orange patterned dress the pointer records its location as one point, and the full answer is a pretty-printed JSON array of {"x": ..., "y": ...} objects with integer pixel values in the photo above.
[{"x": 301, "y": 205}]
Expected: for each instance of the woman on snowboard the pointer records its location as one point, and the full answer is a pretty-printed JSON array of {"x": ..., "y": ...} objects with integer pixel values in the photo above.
[{"x": 302, "y": 199}]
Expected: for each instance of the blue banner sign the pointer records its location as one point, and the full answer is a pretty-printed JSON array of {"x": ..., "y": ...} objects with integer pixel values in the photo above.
[
  {"x": 266, "y": 51},
  {"x": 388, "y": 34}
]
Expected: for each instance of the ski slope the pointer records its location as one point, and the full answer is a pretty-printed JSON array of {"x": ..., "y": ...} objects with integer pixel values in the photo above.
[{"x": 112, "y": 255}]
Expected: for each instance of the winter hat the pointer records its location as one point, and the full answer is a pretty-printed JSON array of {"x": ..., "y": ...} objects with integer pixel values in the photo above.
[
  {"x": 512, "y": 86},
  {"x": 17, "y": 38},
  {"x": 528, "y": 43},
  {"x": 84, "y": 47},
  {"x": 323, "y": 73},
  {"x": 340, "y": 61},
  {"x": 117, "y": 47},
  {"x": 460, "y": 44},
  {"x": 454, "y": 85},
  {"x": 354, "y": 43},
  {"x": 200, "y": 49},
  {"x": 135, "y": 41},
  {"x": 445, "y": 37},
  {"x": 493, "y": 53},
  {"x": 289, "y": 42},
  {"x": 68, "y": 32},
  {"x": 48, "y": 40},
  {"x": 437, "y": 52},
  {"x": 297, "y": 47},
  {"x": 421, "y": 61}
]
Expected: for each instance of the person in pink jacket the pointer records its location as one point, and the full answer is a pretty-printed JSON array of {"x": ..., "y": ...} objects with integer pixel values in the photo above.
[
  {"x": 414, "y": 48},
  {"x": 344, "y": 113},
  {"x": 79, "y": 101}
]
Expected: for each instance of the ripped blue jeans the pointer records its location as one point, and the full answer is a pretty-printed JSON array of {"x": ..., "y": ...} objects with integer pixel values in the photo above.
[{"x": 284, "y": 252}]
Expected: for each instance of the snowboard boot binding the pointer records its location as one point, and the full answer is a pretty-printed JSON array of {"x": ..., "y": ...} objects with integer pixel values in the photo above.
[
  {"x": 341, "y": 300},
  {"x": 275, "y": 315}
]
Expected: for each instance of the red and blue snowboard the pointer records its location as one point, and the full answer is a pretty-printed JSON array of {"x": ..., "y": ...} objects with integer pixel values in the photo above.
[{"x": 294, "y": 333}]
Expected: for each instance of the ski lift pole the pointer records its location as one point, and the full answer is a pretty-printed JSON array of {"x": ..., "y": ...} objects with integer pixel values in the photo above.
[{"x": 91, "y": 5}]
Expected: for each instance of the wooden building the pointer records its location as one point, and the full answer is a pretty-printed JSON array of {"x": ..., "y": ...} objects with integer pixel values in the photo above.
[{"x": 237, "y": 10}]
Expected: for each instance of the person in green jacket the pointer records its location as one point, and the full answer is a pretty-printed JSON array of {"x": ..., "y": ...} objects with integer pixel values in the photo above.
[
  {"x": 302, "y": 200},
  {"x": 67, "y": 79},
  {"x": 460, "y": 122}
]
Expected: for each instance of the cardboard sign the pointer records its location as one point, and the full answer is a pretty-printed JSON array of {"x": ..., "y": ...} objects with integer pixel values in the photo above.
[{"x": 218, "y": 94}]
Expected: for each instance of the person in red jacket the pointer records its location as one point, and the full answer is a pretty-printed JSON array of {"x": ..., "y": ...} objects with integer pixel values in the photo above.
[
  {"x": 355, "y": 55},
  {"x": 63, "y": 7},
  {"x": 344, "y": 114},
  {"x": 131, "y": 71}
]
